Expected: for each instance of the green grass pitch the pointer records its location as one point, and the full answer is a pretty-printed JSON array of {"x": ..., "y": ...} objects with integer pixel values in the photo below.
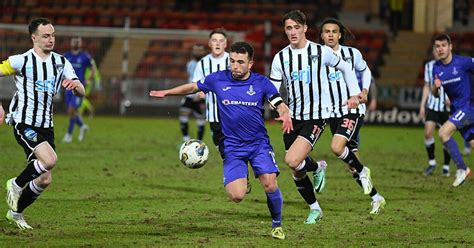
[{"x": 124, "y": 186}]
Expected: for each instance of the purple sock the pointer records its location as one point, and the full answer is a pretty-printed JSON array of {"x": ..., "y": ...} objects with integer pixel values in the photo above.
[
  {"x": 78, "y": 121},
  {"x": 275, "y": 205},
  {"x": 453, "y": 150},
  {"x": 71, "y": 125}
]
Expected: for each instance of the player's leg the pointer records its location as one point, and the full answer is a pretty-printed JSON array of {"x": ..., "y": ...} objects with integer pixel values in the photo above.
[
  {"x": 443, "y": 117},
  {"x": 23, "y": 190},
  {"x": 348, "y": 128},
  {"x": 235, "y": 176},
  {"x": 467, "y": 149},
  {"x": 184, "y": 113},
  {"x": 430, "y": 144},
  {"x": 199, "y": 109},
  {"x": 70, "y": 100},
  {"x": 83, "y": 128},
  {"x": 378, "y": 201},
  {"x": 274, "y": 203},
  {"x": 459, "y": 120},
  {"x": 264, "y": 165},
  {"x": 298, "y": 147}
]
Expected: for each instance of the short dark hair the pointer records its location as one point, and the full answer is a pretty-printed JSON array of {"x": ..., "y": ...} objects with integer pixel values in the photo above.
[
  {"x": 345, "y": 32},
  {"x": 33, "y": 26},
  {"x": 242, "y": 47},
  {"x": 218, "y": 31},
  {"x": 441, "y": 37},
  {"x": 295, "y": 15}
]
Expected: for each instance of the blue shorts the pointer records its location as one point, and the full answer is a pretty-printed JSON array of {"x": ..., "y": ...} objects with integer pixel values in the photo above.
[
  {"x": 72, "y": 100},
  {"x": 260, "y": 156},
  {"x": 463, "y": 119}
]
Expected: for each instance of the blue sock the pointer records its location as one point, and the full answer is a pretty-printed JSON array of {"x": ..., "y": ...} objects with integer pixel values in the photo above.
[
  {"x": 71, "y": 125},
  {"x": 275, "y": 205},
  {"x": 453, "y": 150},
  {"x": 78, "y": 120}
]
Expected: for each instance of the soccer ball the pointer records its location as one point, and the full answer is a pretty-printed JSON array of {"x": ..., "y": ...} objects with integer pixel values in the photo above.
[{"x": 193, "y": 153}]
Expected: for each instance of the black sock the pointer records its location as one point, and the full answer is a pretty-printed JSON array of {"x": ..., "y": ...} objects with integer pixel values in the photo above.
[
  {"x": 184, "y": 128},
  {"x": 28, "y": 196},
  {"x": 356, "y": 177},
  {"x": 305, "y": 187},
  {"x": 30, "y": 173},
  {"x": 200, "y": 132},
  {"x": 350, "y": 158},
  {"x": 430, "y": 149},
  {"x": 447, "y": 157},
  {"x": 309, "y": 165}
]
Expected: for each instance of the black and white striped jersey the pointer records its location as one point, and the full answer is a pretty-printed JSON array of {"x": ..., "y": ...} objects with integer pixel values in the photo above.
[
  {"x": 339, "y": 91},
  {"x": 434, "y": 103},
  {"x": 303, "y": 72},
  {"x": 37, "y": 81},
  {"x": 204, "y": 67}
]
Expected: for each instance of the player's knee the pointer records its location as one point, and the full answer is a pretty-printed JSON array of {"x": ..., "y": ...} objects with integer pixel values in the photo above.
[
  {"x": 443, "y": 135},
  {"x": 337, "y": 148},
  {"x": 270, "y": 187},
  {"x": 50, "y": 161},
  {"x": 236, "y": 196},
  {"x": 292, "y": 161},
  {"x": 44, "y": 180}
]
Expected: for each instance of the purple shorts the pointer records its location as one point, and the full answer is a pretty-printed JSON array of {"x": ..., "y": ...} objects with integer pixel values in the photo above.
[
  {"x": 463, "y": 119},
  {"x": 260, "y": 156},
  {"x": 72, "y": 100}
]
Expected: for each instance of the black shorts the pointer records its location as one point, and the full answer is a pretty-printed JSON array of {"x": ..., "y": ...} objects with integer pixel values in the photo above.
[
  {"x": 216, "y": 132},
  {"x": 347, "y": 126},
  {"x": 437, "y": 117},
  {"x": 310, "y": 130},
  {"x": 29, "y": 137},
  {"x": 197, "y": 107}
]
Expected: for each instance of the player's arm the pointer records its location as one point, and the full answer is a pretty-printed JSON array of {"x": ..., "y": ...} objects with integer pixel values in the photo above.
[
  {"x": 351, "y": 81},
  {"x": 183, "y": 89},
  {"x": 366, "y": 82},
  {"x": 6, "y": 68},
  {"x": 2, "y": 114},
  {"x": 75, "y": 85},
  {"x": 424, "y": 98},
  {"x": 373, "y": 96},
  {"x": 277, "y": 103},
  {"x": 436, "y": 85}
]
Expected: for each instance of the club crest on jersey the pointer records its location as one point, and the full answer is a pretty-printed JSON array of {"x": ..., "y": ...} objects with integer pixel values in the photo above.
[
  {"x": 347, "y": 59},
  {"x": 314, "y": 57},
  {"x": 59, "y": 67},
  {"x": 455, "y": 72},
  {"x": 31, "y": 134},
  {"x": 250, "y": 91}
]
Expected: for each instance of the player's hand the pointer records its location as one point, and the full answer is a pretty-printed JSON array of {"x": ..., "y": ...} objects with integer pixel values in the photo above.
[
  {"x": 287, "y": 124},
  {"x": 352, "y": 102},
  {"x": 447, "y": 102},
  {"x": 422, "y": 112},
  {"x": 2, "y": 115},
  {"x": 70, "y": 84},
  {"x": 437, "y": 81},
  {"x": 363, "y": 96},
  {"x": 201, "y": 95},
  {"x": 373, "y": 105},
  {"x": 158, "y": 93}
]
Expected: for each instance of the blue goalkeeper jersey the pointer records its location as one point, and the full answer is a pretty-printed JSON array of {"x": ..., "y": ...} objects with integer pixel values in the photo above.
[
  {"x": 455, "y": 81},
  {"x": 80, "y": 62},
  {"x": 241, "y": 105}
]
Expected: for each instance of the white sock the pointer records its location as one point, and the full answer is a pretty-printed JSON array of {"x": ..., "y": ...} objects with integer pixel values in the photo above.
[
  {"x": 432, "y": 162},
  {"x": 315, "y": 206},
  {"x": 376, "y": 197},
  {"x": 446, "y": 167}
]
